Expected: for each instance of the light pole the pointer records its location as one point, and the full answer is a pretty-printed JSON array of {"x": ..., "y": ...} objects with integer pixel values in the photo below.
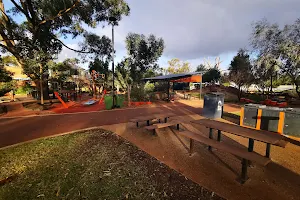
[{"x": 113, "y": 20}]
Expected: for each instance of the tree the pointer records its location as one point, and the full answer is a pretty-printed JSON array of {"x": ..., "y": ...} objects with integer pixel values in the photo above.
[
  {"x": 281, "y": 46},
  {"x": 43, "y": 22},
  {"x": 36, "y": 39},
  {"x": 143, "y": 54},
  {"x": 60, "y": 72},
  {"x": 177, "y": 67},
  {"x": 201, "y": 68},
  {"x": 5, "y": 77},
  {"x": 262, "y": 74},
  {"x": 212, "y": 75},
  {"x": 240, "y": 70}
]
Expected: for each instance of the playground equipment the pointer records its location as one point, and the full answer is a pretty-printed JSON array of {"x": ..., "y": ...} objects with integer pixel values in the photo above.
[
  {"x": 101, "y": 100},
  {"x": 60, "y": 99}
]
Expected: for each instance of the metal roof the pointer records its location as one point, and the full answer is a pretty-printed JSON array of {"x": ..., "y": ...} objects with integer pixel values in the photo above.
[{"x": 171, "y": 76}]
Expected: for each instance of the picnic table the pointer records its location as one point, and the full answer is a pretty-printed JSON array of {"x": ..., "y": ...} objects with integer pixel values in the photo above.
[
  {"x": 150, "y": 117},
  {"x": 259, "y": 135}
]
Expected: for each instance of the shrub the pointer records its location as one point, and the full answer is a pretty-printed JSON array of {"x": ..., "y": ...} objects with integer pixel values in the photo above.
[
  {"x": 24, "y": 89},
  {"x": 6, "y": 87}
]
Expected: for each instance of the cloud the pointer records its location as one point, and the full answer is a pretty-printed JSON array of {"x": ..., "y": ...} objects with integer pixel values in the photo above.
[
  {"x": 199, "y": 28},
  {"x": 196, "y": 29}
]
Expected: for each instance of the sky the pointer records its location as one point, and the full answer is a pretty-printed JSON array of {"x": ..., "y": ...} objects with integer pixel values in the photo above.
[{"x": 194, "y": 30}]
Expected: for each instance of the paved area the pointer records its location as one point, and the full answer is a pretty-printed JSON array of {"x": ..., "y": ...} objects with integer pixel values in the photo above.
[{"x": 20, "y": 129}]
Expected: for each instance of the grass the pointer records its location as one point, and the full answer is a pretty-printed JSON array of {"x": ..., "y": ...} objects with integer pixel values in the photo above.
[{"x": 90, "y": 165}]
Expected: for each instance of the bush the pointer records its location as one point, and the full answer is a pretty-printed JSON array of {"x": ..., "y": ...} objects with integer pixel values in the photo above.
[
  {"x": 149, "y": 87},
  {"x": 137, "y": 93},
  {"x": 142, "y": 92},
  {"x": 6, "y": 87},
  {"x": 24, "y": 89}
]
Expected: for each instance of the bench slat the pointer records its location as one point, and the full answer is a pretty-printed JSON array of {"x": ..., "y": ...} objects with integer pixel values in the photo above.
[
  {"x": 240, "y": 152},
  {"x": 161, "y": 125},
  {"x": 151, "y": 117}
]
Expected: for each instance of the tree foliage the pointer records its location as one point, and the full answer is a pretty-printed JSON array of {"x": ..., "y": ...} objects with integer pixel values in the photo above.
[
  {"x": 240, "y": 70},
  {"x": 281, "y": 46},
  {"x": 212, "y": 75},
  {"x": 176, "y": 66},
  {"x": 201, "y": 68},
  {"x": 46, "y": 21},
  {"x": 262, "y": 74},
  {"x": 100, "y": 66},
  {"x": 5, "y": 76},
  {"x": 6, "y": 83},
  {"x": 142, "y": 55}
]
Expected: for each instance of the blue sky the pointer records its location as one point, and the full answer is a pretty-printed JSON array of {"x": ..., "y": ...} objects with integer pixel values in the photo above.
[{"x": 193, "y": 29}]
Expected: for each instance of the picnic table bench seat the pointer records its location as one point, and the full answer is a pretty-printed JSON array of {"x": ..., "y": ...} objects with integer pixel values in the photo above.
[
  {"x": 163, "y": 125},
  {"x": 237, "y": 151},
  {"x": 150, "y": 117}
]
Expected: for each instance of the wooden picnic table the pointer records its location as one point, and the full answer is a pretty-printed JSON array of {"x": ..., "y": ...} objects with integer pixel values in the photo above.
[
  {"x": 263, "y": 136},
  {"x": 149, "y": 117}
]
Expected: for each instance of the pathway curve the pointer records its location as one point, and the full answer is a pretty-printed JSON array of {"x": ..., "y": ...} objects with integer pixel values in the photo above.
[{"x": 21, "y": 129}]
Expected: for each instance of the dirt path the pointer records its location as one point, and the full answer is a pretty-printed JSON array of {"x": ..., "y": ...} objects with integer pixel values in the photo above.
[{"x": 217, "y": 170}]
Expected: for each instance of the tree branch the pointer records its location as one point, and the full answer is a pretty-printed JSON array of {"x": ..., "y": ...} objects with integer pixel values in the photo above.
[
  {"x": 60, "y": 13},
  {"x": 78, "y": 51},
  {"x": 30, "y": 8},
  {"x": 21, "y": 9},
  {"x": 3, "y": 40}
]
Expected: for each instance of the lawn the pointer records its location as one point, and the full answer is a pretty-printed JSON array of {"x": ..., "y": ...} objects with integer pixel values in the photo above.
[{"x": 94, "y": 164}]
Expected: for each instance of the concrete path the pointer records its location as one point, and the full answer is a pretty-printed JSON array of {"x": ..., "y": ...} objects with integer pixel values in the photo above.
[{"x": 21, "y": 129}]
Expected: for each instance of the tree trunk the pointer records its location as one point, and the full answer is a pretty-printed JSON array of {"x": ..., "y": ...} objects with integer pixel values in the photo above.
[
  {"x": 128, "y": 93},
  {"x": 240, "y": 93},
  {"x": 45, "y": 90},
  {"x": 298, "y": 90}
]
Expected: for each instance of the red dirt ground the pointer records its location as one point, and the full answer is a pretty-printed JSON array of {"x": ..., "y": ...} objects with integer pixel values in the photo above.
[{"x": 216, "y": 171}]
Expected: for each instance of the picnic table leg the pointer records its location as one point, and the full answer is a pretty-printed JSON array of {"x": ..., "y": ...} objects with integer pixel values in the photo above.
[
  {"x": 244, "y": 176},
  {"x": 154, "y": 133},
  {"x": 250, "y": 147},
  {"x": 177, "y": 126},
  {"x": 210, "y": 136},
  {"x": 268, "y": 150},
  {"x": 137, "y": 124},
  {"x": 191, "y": 146},
  {"x": 219, "y": 135},
  {"x": 148, "y": 123}
]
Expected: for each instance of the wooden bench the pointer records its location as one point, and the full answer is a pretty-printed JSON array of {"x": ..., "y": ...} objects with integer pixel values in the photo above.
[
  {"x": 237, "y": 151},
  {"x": 148, "y": 118},
  {"x": 163, "y": 125}
]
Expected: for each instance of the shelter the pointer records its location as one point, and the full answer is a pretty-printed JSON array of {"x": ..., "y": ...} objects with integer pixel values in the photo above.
[{"x": 193, "y": 77}]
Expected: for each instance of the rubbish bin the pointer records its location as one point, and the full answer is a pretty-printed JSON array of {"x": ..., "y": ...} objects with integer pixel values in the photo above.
[
  {"x": 108, "y": 101},
  {"x": 120, "y": 101},
  {"x": 213, "y": 105},
  {"x": 250, "y": 114},
  {"x": 291, "y": 125},
  {"x": 270, "y": 118}
]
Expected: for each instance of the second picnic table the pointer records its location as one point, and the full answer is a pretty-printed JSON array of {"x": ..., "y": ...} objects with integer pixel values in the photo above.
[{"x": 259, "y": 135}]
